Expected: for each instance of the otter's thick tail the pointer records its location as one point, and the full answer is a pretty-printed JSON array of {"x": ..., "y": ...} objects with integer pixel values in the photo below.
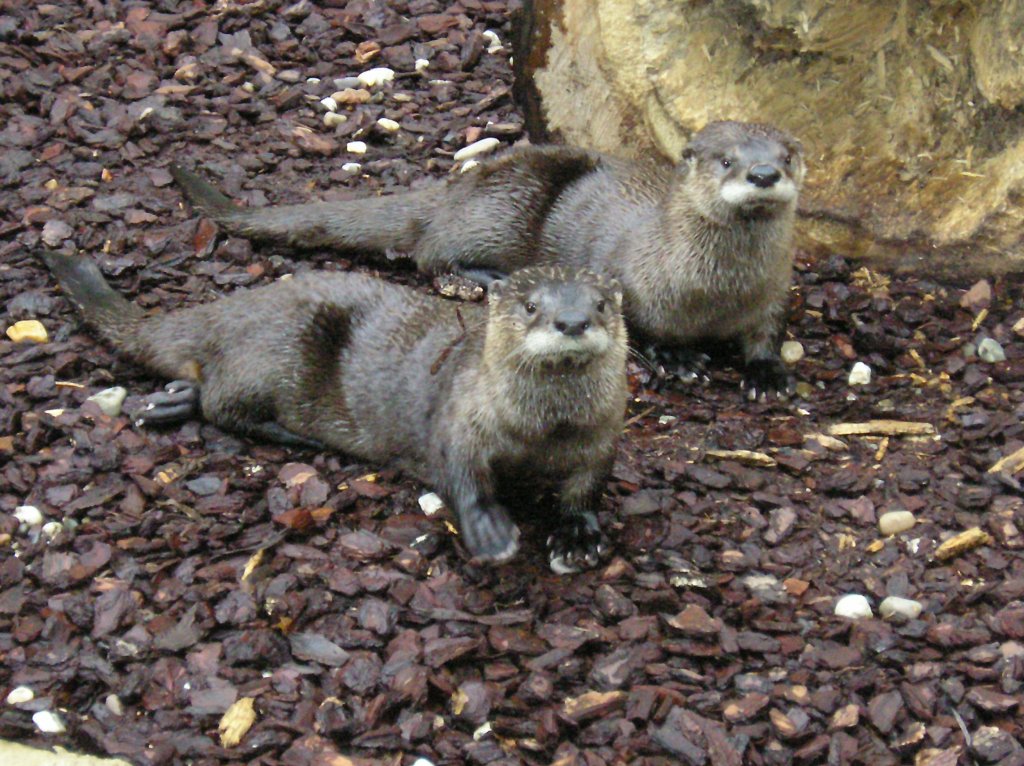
[
  {"x": 378, "y": 224},
  {"x": 119, "y": 322}
]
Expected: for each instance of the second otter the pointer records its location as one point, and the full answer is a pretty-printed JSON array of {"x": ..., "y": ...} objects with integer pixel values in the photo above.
[
  {"x": 703, "y": 249},
  {"x": 475, "y": 401}
]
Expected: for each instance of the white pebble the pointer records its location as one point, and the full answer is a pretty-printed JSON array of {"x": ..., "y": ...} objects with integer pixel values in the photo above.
[
  {"x": 482, "y": 731},
  {"x": 792, "y": 351},
  {"x": 356, "y": 147},
  {"x": 389, "y": 125},
  {"x": 469, "y": 166},
  {"x": 28, "y": 515},
  {"x": 329, "y": 104},
  {"x": 421, "y": 64},
  {"x": 482, "y": 146},
  {"x": 894, "y": 522},
  {"x": 56, "y": 231},
  {"x": 333, "y": 119},
  {"x": 667, "y": 420},
  {"x": 114, "y": 704},
  {"x": 376, "y": 76},
  {"x": 422, "y": 762},
  {"x": 494, "y": 42},
  {"x": 990, "y": 351},
  {"x": 109, "y": 400},
  {"x": 905, "y": 608},
  {"x": 20, "y": 694},
  {"x": 51, "y": 529},
  {"x": 248, "y": 87},
  {"x": 313, "y": 80},
  {"x": 351, "y": 167},
  {"x": 431, "y": 503},
  {"x": 860, "y": 375},
  {"x": 48, "y": 723},
  {"x": 854, "y": 606}
]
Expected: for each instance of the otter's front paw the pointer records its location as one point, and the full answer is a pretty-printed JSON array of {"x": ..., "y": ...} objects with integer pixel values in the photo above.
[
  {"x": 687, "y": 365},
  {"x": 766, "y": 377},
  {"x": 489, "y": 533},
  {"x": 179, "y": 401},
  {"x": 577, "y": 544}
]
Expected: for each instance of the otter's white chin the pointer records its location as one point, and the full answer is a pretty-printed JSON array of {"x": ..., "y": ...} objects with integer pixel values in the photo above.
[
  {"x": 544, "y": 343},
  {"x": 744, "y": 194}
]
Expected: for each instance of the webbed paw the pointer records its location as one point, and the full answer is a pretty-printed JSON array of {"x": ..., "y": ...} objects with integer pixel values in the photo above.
[
  {"x": 179, "y": 401},
  {"x": 766, "y": 377},
  {"x": 578, "y": 544},
  {"x": 489, "y": 534}
]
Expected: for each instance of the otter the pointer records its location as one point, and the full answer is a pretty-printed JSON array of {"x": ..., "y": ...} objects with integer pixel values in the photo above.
[
  {"x": 703, "y": 248},
  {"x": 476, "y": 401}
]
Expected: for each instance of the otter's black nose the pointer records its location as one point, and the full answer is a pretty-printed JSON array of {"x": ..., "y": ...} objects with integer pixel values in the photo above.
[
  {"x": 572, "y": 323},
  {"x": 764, "y": 176}
]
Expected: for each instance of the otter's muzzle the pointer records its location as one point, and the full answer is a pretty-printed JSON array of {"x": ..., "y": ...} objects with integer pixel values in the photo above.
[{"x": 763, "y": 176}]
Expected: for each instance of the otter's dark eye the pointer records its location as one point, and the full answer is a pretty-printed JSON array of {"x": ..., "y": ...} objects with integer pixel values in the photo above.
[
  {"x": 726, "y": 163},
  {"x": 789, "y": 159},
  {"x": 600, "y": 307},
  {"x": 531, "y": 308}
]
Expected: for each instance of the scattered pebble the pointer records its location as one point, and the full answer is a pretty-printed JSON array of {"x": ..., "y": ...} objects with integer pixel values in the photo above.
[
  {"x": 421, "y": 64},
  {"x": 904, "y": 608},
  {"x": 469, "y": 166},
  {"x": 860, "y": 375},
  {"x": 341, "y": 83},
  {"x": 28, "y": 329},
  {"x": 482, "y": 731},
  {"x": 356, "y": 147},
  {"x": 333, "y": 119},
  {"x": 667, "y": 420},
  {"x": 350, "y": 96},
  {"x": 329, "y": 104},
  {"x": 431, "y": 503},
  {"x": 389, "y": 125},
  {"x": 990, "y": 351},
  {"x": 48, "y": 723},
  {"x": 792, "y": 351},
  {"x": 493, "y": 41},
  {"x": 854, "y": 606},
  {"x": 482, "y": 146},
  {"x": 51, "y": 529},
  {"x": 28, "y": 515},
  {"x": 422, "y": 762},
  {"x": 109, "y": 400},
  {"x": 55, "y": 232},
  {"x": 894, "y": 522},
  {"x": 377, "y": 76},
  {"x": 20, "y": 694},
  {"x": 351, "y": 167},
  {"x": 114, "y": 704}
]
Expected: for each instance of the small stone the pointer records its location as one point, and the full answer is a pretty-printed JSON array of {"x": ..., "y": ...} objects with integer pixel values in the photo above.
[
  {"x": 990, "y": 351},
  {"x": 853, "y": 606},
  {"x": 51, "y": 529},
  {"x": 376, "y": 76},
  {"x": 114, "y": 704},
  {"x": 493, "y": 41},
  {"x": 333, "y": 119},
  {"x": 422, "y": 762},
  {"x": 56, "y": 231},
  {"x": 978, "y": 297},
  {"x": 351, "y": 96},
  {"x": 343, "y": 83},
  {"x": 894, "y": 522},
  {"x": 329, "y": 104},
  {"x": 20, "y": 694},
  {"x": 352, "y": 167},
  {"x": 469, "y": 166},
  {"x": 388, "y": 125},
  {"x": 431, "y": 503},
  {"x": 899, "y": 608},
  {"x": 356, "y": 147},
  {"x": 860, "y": 375},
  {"x": 109, "y": 400},
  {"x": 48, "y": 723},
  {"x": 421, "y": 64},
  {"x": 28, "y": 515},
  {"x": 28, "y": 329},
  {"x": 482, "y": 146},
  {"x": 792, "y": 351}
]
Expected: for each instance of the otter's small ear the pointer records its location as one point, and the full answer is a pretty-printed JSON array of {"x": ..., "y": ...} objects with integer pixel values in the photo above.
[{"x": 615, "y": 286}]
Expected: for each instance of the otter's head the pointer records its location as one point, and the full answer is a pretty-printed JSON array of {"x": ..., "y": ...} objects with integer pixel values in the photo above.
[
  {"x": 743, "y": 168},
  {"x": 554, "y": 318}
]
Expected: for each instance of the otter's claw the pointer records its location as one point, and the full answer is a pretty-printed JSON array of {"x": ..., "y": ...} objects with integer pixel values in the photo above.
[
  {"x": 687, "y": 365},
  {"x": 577, "y": 545},
  {"x": 178, "y": 401},
  {"x": 766, "y": 377},
  {"x": 489, "y": 534}
]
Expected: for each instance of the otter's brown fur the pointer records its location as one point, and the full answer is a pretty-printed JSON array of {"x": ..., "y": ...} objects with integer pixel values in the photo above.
[
  {"x": 467, "y": 398},
  {"x": 702, "y": 248}
]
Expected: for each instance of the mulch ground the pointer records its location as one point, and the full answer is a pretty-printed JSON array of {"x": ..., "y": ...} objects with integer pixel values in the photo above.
[{"x": 194, "y": 572}]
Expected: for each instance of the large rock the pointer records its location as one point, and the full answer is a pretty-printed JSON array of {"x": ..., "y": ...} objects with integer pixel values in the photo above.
[{"x": 911, "y": 113}]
